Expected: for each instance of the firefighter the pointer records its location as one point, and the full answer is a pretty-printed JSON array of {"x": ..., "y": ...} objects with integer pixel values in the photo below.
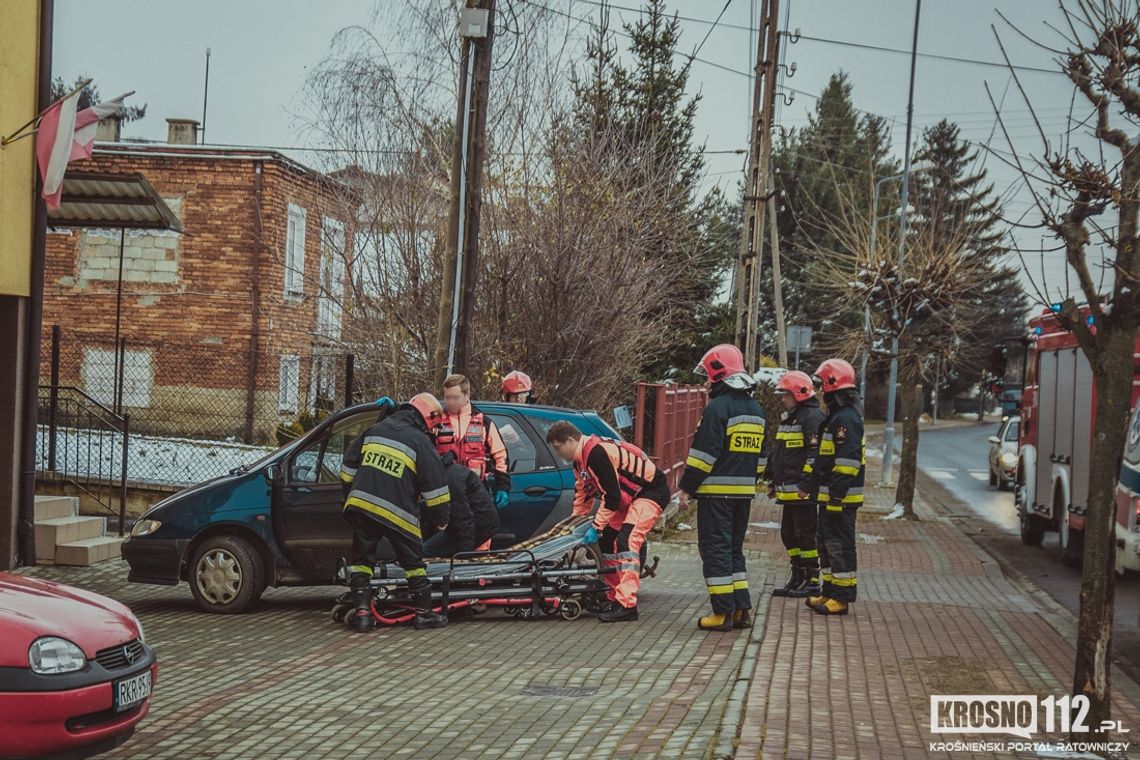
[
  {"x": 472, "y": 438},
  {"x": 633, "y": 493},
  {"x": 789, "y": 470},
  {"x": 837, "y": 475},
  {"x": 385, "y": 472},
  {"x": 721, "y": 470},
  {"x": 472, "y": 519},
  {"x": 517, "y": 388}
]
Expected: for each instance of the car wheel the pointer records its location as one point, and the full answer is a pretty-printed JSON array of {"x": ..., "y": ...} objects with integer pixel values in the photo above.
[
  {"x": 993, "y": 479},
  {"x": 226, "y": 575},
  {"x": 1072, "y": 545}
]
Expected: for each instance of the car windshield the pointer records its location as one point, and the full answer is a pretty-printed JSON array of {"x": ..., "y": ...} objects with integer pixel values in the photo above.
[{"x": 1011, "y": 431}]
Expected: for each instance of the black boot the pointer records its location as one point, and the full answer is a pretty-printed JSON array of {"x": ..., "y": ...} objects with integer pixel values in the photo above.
[
  {"x": 618, "y": 614},
  {"x": 795, "y": 580},
  {"x": 362, "y": 620},
  {"x": 811, "y": 586},
  {"x": 426, "y": 617}
]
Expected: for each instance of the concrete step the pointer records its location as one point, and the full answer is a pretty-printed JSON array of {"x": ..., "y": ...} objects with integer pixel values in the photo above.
[
  {"x": 64, "y": 530},
  {"x": 88, "y": 551},
  {"x": 53, "y": 507}
]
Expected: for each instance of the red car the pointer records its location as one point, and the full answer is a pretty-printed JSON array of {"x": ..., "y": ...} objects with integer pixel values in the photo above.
[{"x": 75, "y": 673}]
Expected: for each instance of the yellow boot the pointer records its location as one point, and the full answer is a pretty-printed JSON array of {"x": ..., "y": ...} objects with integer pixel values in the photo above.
[
  {"x": 831, "y": 607},
  {"x": 741, "y": 619},
  {"x": 715, "y": 622},
  {"x": 813, "y": 601}
]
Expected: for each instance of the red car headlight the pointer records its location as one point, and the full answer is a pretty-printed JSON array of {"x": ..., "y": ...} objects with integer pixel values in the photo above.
[{"x": 51, "y": 655}]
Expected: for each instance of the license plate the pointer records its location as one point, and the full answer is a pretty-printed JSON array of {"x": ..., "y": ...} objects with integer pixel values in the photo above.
[{"x": 130, "y": 691}]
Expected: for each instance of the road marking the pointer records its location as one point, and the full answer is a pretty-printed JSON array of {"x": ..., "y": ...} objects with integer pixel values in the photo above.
[
  {"x": 980, "y": 474},
  {"x": 940, "y": 474}
]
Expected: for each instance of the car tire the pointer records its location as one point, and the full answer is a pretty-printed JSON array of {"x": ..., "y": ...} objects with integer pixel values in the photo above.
[
  {"x": 994, "y": 480},
  {"x": 226, "y": 575}
]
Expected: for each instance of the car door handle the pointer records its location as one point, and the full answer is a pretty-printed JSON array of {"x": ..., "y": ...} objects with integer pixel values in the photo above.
[{"x": 535, "y": 490}]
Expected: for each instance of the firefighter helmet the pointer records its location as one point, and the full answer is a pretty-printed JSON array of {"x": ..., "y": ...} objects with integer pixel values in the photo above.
[
  {"x": 516, "y": 382},
  {"x": 797, "y": 383},
  {"x": 835, "y": 375},
  {"x": 429, "y": 408},
  {"x": 720, "y": 362}
]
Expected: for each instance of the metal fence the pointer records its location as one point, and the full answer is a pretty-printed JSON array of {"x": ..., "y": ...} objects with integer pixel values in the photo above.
[
  {"x": 665, "y": 419},
  {"x": 196, "y": 411}
]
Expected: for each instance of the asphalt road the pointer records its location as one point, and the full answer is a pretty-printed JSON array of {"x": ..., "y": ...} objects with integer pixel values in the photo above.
[{"x": 954, "y": 458}]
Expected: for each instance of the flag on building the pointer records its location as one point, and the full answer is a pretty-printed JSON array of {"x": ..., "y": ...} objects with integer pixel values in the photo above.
[{"x": 65, "y": 135}]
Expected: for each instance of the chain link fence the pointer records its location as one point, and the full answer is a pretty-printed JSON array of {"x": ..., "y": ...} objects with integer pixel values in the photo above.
[{"x": 196, "y": 411}]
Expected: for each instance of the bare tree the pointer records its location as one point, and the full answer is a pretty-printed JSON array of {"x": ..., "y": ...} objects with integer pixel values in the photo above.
[{"x": 1086, "y": 190}]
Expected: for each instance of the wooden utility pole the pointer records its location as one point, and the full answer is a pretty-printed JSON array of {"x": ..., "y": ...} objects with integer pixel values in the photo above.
[
  {"x": 757, "y": 185},
  {"x": 777, "y": 278},
  {"x": 461, "y": 261}
]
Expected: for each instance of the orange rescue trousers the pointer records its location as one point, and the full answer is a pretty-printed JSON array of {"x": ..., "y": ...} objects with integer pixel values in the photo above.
[{"x": 621, "y": 543}]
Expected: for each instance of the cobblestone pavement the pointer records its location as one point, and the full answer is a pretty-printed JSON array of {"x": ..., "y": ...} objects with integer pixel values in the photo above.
[{"x": 286, "y": 682}]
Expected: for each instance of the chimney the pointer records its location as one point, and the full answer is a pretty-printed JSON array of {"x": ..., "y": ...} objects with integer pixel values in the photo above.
[
  {"x": 181, "y": 131},
  {"x": 108, "y": 129}
]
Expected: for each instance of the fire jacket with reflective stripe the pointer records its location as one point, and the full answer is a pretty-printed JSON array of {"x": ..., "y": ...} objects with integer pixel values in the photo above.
[
  {"x": 725, "y": 456},
  {"x": 841, "y": 462},
  {"x": 616, "y": 472},
  {"x": 794, "y": 448},
  {"x": 389, "y": 468}
]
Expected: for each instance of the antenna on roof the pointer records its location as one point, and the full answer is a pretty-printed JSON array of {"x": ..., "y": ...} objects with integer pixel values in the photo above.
[{"x": 205, "y": 97}]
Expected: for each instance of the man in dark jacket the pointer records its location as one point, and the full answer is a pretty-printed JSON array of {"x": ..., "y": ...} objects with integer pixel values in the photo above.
[
  {"x": 838, "y": 476},
  {"x": 472, "y": 517},
  {"x": 723, "y": 465},
  {"x": 385, "y": 472},
  {"x": 789, "y": 472}
]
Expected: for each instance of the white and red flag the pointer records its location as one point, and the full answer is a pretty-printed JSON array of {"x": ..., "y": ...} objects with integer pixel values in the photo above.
[{"x": 65, "y": 135}]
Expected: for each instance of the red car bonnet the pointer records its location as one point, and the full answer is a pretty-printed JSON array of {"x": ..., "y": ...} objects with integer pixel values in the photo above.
[{"x": 31, "y": 608}]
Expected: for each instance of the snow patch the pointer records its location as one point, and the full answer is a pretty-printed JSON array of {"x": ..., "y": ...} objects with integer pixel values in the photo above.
[
  {"x": 765, "y": 525},
  {"x": 870, "y": 538},
  {"x": 895, "y": 513}
]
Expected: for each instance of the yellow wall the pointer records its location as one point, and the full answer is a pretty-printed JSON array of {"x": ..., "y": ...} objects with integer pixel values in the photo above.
[{"x": 19, "y": 42}]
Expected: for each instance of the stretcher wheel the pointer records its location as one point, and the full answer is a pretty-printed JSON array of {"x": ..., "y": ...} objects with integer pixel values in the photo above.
[
  {"x": 594, "y": 602},
  {"x": 340, "y": 612},
  {"x": 570, "y": 609}
]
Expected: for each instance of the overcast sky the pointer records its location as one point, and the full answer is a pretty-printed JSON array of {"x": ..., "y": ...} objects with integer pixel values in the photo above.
[{"x": 262, "y": 50}]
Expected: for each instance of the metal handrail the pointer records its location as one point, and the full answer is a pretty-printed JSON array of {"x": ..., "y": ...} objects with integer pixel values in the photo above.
[{"x": 84, "y": 394}]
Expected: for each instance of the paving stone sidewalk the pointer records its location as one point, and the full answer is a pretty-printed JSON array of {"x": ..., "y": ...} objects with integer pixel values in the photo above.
[{"x": 935, "y": 616}]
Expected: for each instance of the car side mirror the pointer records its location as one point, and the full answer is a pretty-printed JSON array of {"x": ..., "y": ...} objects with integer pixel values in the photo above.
[
  {"x": 274, "y": 474},
  {"x": 994, "y": 439}
]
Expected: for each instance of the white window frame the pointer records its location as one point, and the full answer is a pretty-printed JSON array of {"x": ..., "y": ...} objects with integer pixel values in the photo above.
[
  {"x": 295, "y": 219},
  {"x": 289, "y": 384},
  {"x": 329, "y": 308}
]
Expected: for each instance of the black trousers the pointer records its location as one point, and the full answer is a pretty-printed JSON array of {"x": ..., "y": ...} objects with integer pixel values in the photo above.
[
  {"x": 721, "y": 525},
  {"x": 798, "y": 532},
  {"x": 367, "y": 533},
  {"x": 838, "y": 553}
]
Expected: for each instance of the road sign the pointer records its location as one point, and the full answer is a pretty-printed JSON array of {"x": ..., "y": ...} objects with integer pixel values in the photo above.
[{"x": 799, "y": 337}]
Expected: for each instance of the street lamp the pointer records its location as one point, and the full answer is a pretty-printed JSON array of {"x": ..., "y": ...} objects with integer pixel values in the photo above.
[{"x": 917, "y": 168}]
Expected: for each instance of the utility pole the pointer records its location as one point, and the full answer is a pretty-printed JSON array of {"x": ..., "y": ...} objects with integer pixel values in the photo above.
[
  {"x": 777, "y": 278},
  {"x": 757, "y": 185},
  {"x": 460, "y": 269}
]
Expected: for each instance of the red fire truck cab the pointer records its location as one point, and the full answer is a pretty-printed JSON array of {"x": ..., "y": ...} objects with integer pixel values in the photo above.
[{"x": 1055, "y": 444}]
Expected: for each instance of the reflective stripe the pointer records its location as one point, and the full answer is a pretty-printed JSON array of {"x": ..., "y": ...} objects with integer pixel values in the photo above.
[
  {"x": 844, "y": 469},
  {"x": 843, "y": 579},
  {"x": 789, "y": 429},
  {"x": 827, "y": 448},
  {"x": 720, "y": 580},
  {"x": 809, "y": 553},
  {"x": 708, "y": 459},
  {"x": 834, "y": 507},
  {"x": 387, "y": 456},
  {"x": 789, "y": 436},
  {"x": 408, "y": 451},
  {"x": 739, "y": 585},
  {"x": 840, "y": 461},
  {"x": 416, "y": 572},
  {"x": 723, "y": 485},
  {"x": 718, "y": 590},
  {"x": 807, "y": 468},
  {"x": 347, "y": 477},
  {"x": 361, "y": 570},
  {"x": 386, "y": 511},
  {"x": 437, "y": 497},
  {"x": 793, "y": 552},
  {"x": 346, "y": 470},
  {"x": 698, "y": 464},
  {"x": 746, "y": 419}
]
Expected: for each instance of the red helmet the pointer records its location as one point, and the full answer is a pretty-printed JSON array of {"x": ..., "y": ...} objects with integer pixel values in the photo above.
[
  {"x": 429, "y": 408},
  {"x": 796, "y": 383},
  {"x": 516, "y": 382},
  {"x": 720, "y": 362},
  {"x": 835, "y": 375}
]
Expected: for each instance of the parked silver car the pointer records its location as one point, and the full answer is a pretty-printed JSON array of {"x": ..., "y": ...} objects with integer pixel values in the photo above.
[{"x": 1003, "y": 454}]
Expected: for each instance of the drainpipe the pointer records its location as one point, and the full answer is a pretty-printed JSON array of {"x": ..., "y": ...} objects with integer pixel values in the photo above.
[{"x": 254, "y": 305}]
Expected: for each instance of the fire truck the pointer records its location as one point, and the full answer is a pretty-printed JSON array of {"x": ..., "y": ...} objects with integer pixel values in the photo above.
[{"x": 1058, "y": 402}]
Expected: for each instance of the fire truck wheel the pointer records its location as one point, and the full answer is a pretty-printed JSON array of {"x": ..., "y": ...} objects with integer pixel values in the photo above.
[
  {"x": 1074, "y": 548},
  {"x": 1032, "y": 530},
  {"x": 993, "y": 480}
]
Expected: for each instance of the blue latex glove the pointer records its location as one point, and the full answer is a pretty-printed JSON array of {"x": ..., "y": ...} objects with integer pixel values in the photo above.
[
  {"x": 386, "y": 402},
  {"x": 590, "y": 536},
  {"x": 502, "y": 499}
]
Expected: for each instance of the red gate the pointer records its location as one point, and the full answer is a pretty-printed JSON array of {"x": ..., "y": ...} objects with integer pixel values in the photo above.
[{"x": 664, "y": 422}]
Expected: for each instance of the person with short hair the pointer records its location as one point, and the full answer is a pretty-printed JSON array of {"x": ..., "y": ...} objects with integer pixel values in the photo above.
[{"x": 472, "y": 438}]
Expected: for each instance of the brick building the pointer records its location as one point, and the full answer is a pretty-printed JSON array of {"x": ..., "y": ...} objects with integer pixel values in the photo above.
[{"x": 229, "y": 327}]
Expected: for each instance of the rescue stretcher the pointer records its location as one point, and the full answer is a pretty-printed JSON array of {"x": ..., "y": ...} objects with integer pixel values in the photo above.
[{"x": 552, "y": 575}]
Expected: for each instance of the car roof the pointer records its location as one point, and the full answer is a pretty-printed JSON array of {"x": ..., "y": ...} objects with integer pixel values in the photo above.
[{"x": 539, "y": 410}]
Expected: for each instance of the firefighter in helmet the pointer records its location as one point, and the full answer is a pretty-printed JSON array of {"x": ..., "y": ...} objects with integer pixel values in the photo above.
[
  {"x": 385, "y": 472},
  {"x": 516, "y": 388},
  {"x": 837, "y": 477},
  {"x": 789, "y": 470},
  {"x": 721, "y": 471}
]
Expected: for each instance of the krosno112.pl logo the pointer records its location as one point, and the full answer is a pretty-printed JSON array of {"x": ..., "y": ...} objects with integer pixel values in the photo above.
[{"x": 1015, "y": 714}]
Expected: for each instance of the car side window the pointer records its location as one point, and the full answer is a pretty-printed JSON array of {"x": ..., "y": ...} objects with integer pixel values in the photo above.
[
  {"x": 319, "y": 461},
  {"x": 1011, "y": 431},
  {"x": 543, "y": 425},
  {"x": 521, "y": 453}
]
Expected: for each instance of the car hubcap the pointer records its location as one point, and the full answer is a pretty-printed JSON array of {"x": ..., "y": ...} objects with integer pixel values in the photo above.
[{"x": 219, "y": 576}]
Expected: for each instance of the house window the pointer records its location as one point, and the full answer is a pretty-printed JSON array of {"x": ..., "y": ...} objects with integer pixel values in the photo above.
[
  {"x": 288, "y": 383},
  {"x": 332, "y": 279},
  {"x": 99, "y": 376},
  {"x": 295, "y": 252},
  {"x": 322, "y": 380}
]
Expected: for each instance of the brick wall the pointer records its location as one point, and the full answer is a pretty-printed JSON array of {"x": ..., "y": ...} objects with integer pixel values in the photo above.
[{"x": 188, "y": 298}]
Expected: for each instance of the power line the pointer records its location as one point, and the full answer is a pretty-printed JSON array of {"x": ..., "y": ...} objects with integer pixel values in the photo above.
[{"x": 711, "y": 28}]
